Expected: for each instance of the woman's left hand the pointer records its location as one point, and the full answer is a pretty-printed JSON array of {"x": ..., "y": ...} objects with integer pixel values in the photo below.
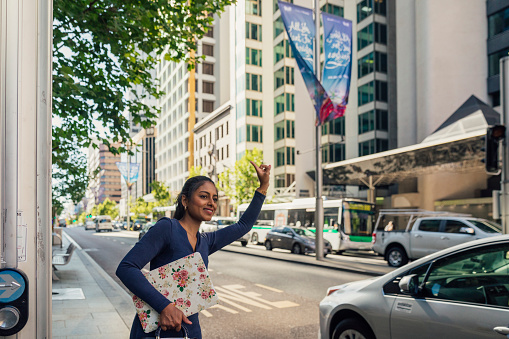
[{"x": 263, "y": 173}]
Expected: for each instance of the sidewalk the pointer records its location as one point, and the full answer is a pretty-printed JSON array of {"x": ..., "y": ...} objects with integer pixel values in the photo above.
[{"x": 89, "y": 303}]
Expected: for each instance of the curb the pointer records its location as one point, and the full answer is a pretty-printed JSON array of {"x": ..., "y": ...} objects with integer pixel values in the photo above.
[
  {"x": 119, "y": 298},
  {"x": 323, "y": 264}
]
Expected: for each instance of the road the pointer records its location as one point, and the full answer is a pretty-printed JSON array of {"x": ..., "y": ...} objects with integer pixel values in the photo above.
[{"x": 260, "y": 297}]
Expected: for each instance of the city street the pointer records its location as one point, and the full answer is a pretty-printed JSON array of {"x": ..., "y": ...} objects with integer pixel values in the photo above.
[{"x": 260, "y": 297}]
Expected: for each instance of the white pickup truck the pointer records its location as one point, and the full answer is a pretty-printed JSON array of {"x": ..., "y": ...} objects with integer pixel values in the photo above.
[{"x": 412, "y": 234}]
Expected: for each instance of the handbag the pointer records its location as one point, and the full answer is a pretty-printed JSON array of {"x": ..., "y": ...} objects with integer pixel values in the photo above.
[
  {"x": 185, "y": 282},
  {"x": 158, "y": 334}
]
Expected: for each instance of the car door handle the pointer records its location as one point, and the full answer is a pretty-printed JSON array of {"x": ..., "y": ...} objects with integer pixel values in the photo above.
[
  {"x": 501, "y": 330},
  {"x": 418, "y": 236},
  {"x": 444, "y": 238}
]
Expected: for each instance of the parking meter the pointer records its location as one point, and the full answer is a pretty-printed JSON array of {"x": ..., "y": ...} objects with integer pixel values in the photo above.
[{"x": 13, "y": 301}]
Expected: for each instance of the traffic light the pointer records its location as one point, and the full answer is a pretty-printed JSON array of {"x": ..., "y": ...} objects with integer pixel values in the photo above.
[{"x": 494, "y": 134}]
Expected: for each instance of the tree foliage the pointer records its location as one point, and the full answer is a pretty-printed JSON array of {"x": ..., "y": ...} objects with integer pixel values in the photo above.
[
  {"x": 161, "y": 193},
  {"x": 140, "y": 208},
  {"x": 104, "y": 56},
  {"x": 196, "y": 171},
  {"x": 107, "y": 207},
  {"x": 239, "y": 182}
]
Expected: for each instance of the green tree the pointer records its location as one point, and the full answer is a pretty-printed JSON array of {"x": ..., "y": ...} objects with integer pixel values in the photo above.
[
  {"x": 107, "y": 207},
  {"x": 103, "y": 50},
  {"x": 141, "y": 208},
  {"x": 196, "y": 171},
  {"x": 239, "y": 182},
  {"x": 161, "y": 193}
]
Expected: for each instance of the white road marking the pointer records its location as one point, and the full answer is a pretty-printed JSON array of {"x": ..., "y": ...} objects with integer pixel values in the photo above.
[
  {"x": 206, "y": 313},
  {"x": 269, "y": 288},
  {"x": 229, "y": 310}
]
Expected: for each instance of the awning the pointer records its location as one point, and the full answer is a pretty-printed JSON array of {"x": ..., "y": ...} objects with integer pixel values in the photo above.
[{"x": 394, "y": 166}]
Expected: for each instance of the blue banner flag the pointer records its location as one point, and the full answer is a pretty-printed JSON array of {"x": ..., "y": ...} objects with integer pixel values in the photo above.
[
  {"x": 299, "y": 25},
  {"x": 134, "y": 169},
  {"x": 337, "y": 70}
]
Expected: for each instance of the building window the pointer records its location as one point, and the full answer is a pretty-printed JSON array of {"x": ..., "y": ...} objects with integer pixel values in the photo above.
[
  {"x": 210, "y": 32},
  {"x": 373, "y": 146},
  {"x": 254, "y": 82},
  {"x": 366, "y": 93},
  {"x": 374, "y": 90},
  {"x": 290, "y": 102},
  {"x": 241, "y": 135},
  {"x": 367, "y": 122},
  {"x": 254, "y": 7},
  {"x": 208, "y": 106},
  {"x": 374, "y": 61},
  {"x": 253, "y": 31},
  {"x": 498, "y": 22},
  {"x": 208, "y": 68},
  {"x": 334, "y": 127},
  {"x": 278, "y": 27},
  {"x": 494, "y": 61},
  {"x": 380, "y": 33},
  {"x": 208, "y": 50},
  {"x": 279, "y": 104},
  {"x": 254, "y": 107},
  {"x": 208, "y": 87},
  {"x": 284, "y": 156},
  {"x": 365, "y": 37},
  {"x": 332, "y": 9},
  {"x": 254, "y": 133},
  {"x": 284, "y": 76},
  {"x": 284, "y": 129},
  {"x": 253, "y": 56}
]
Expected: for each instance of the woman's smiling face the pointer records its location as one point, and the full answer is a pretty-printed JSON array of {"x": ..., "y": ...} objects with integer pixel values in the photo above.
[{"x": 203, "y": 203}]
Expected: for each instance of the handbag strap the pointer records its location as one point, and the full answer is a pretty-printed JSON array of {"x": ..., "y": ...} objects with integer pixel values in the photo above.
[{"x": 184, "y": 330}]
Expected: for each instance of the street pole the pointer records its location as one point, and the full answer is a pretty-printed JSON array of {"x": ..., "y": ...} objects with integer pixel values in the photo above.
[
  {"x": 128, "y": 187},
  {"x": 25, "y": 161},
  {"x": 504, "y": 119},
  {"x": 319, "y": 174}
]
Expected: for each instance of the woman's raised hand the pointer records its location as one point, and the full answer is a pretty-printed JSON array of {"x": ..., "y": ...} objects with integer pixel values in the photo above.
[{"x": 263, "y": 173}]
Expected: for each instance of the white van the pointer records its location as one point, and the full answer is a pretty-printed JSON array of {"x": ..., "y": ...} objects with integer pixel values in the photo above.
[{"x": 103, "y": 222}]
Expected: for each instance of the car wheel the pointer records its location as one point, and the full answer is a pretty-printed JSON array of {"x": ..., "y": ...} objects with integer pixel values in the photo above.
[
  {"x": 352, "y": 329},
  {"x": 254, "y": 238},
  {"x": 296, "y": 249},
  {"x": 268, "y": 245},
  {"x": 396, "y": 257},
  {"x": 243, "y": 243}
]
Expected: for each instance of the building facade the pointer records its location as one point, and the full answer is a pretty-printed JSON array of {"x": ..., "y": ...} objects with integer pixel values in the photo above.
[{"x": 104, "y": 175}]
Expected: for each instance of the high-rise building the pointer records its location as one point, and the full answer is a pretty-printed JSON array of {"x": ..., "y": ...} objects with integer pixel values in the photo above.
[{"x": 104, "y": 175}]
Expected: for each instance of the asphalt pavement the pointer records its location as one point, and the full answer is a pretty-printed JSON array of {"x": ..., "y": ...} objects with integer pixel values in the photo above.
[{"x": 88, "y": 303}]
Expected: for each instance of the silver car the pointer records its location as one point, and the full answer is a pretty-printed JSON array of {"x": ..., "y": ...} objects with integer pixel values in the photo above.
[{"x": 459, "y": 292}]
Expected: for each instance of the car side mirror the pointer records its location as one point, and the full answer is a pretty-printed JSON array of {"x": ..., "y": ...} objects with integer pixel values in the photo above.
[{"x": 409, "y": 284}]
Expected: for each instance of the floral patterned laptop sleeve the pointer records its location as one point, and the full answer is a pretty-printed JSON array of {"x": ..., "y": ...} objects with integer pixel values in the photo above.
[{"x": 185, "y": 282}]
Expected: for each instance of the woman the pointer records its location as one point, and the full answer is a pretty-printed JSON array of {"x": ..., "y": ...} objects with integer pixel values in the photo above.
[{"x": 172, "y": 239}]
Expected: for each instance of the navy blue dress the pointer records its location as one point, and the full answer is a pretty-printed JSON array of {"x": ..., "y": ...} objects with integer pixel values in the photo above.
[{"x": 167, "y": 241}]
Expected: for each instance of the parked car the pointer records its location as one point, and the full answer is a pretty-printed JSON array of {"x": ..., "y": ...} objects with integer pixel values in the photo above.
[
  {"x": 137, "y": 225},
  {"x": 145, "y": 229},
  {"x": 296, "y": 239},
  {"x": 459, "y": 292},
  {"x": 89, "y": 225},
  {"x": 103, "y": 223},
  {"x": 217, "y": 223},
  {"x": 417, "y": 235}
]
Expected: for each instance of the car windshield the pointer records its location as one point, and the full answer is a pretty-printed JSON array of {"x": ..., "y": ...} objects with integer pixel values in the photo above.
[
  {"x": 487, "y": 226},
  {"x": 225, "y": 222},
  {"x": 304, "y": 232}
]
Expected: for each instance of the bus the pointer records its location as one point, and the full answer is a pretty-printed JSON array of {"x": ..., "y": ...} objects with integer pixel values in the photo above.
[{"x": 348, "y": 223}]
